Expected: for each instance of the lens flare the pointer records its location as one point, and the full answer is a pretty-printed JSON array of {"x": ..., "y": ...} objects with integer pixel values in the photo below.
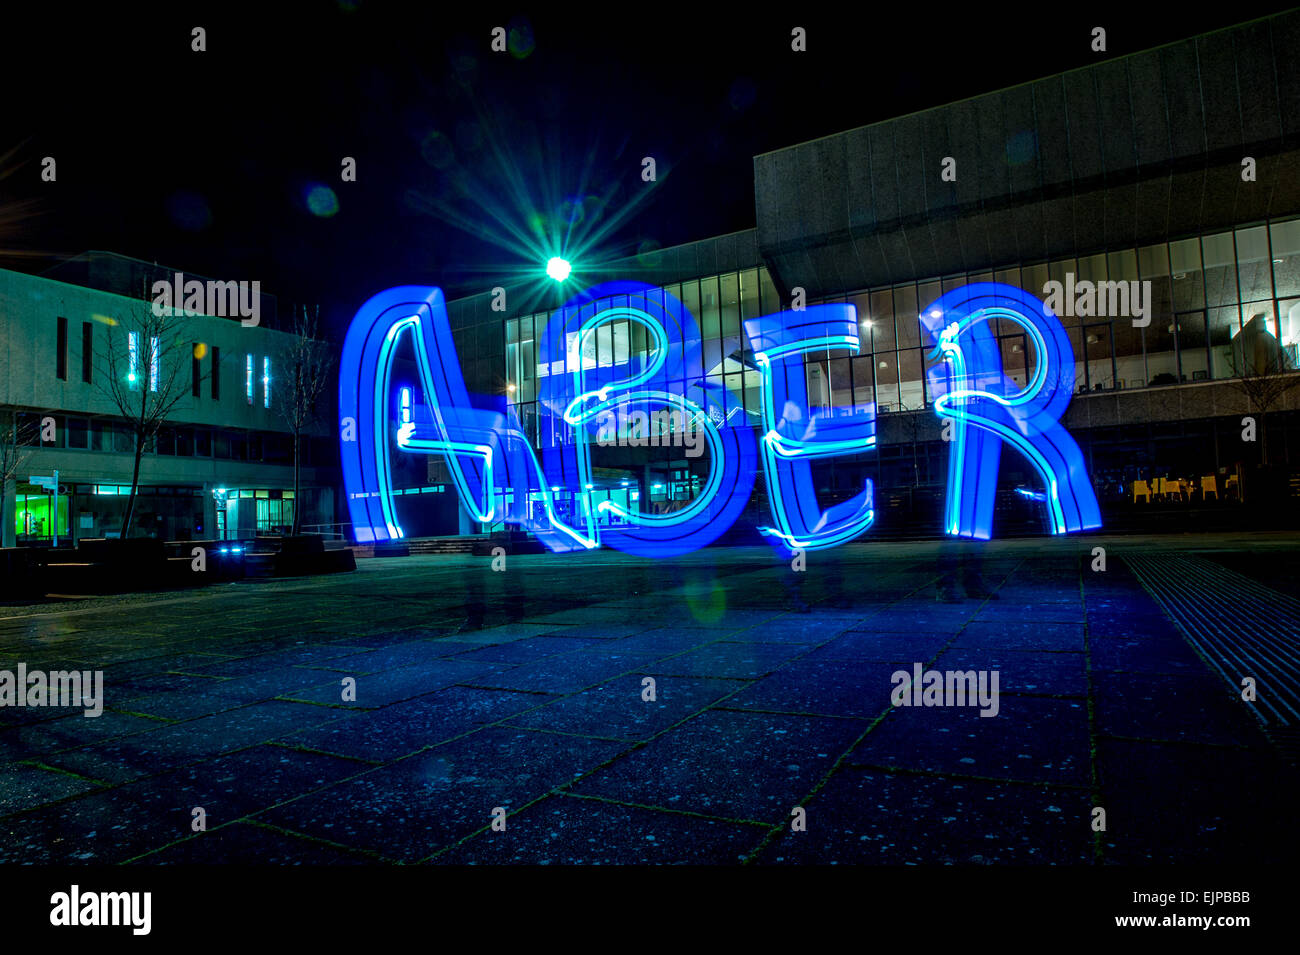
[
  {"x": 558, "y": 269},
  {"x": 322, "y": 202}
]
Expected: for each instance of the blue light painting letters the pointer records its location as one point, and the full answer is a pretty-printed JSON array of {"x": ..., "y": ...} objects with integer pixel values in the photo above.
[{"x": 499, "y": 478}]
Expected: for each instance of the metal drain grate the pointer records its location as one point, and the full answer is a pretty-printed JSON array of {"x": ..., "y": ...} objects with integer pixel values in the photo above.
[{"x": 1240, "y": 626}]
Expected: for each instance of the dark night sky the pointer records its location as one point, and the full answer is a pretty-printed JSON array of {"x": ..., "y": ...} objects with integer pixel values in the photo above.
[{"x": 201, "y": 160}]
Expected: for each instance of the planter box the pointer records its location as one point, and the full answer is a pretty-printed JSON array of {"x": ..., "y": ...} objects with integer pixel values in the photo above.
[
  {"x": 134, "y": 550},
  {"x": 289, "y": 564},
  {"x": 21, "y": 573}
]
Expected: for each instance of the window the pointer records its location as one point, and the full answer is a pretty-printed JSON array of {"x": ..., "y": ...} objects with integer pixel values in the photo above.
[
  {"x": 1286, "y": 257},
  {"x": 707, "y": 308},
  {"x": 729, "y": 302},
  {"x": 887, "y": 399},
  {"x": 906, "y": 310},
  {"x": 123, "y": 437},
  {"x": 47, "y": 440},
  {"x": 216, "y": 373},
  {"x": 276, "y": 448},
  {"x": 1188, "y": 278},
  {"x": 1220, "y": 269},
  {"x": 911, "y": 390},
  {"x": 28, "y": 429},
  {"x": 841, "y": 383},
  {"x": 882, "y": 322},
  {"x": 864, "y": 392},
  {"x": 248, "y": 378},
  {"x": 78, "y": 432},
  {"x": 61, "y": 350},
  {"x": 1254, "y": 265},
  {"x": 196, "y": 369},
  {"x": 512, "y": 359},
  {"x": 1189, "y": 329},
  {"x": 266, "y": 381},
  {"x": 87, "y": 349},
  {"x": 133, "y": 359},
  {"x": 132, "y": 356}
]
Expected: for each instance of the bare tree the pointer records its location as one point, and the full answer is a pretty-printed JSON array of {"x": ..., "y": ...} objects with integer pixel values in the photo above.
[
  {"x": 147, "y": 360},
  {"x": 16, "y": 445},
  {"x": 913, "y": 421},
  {"x": 305, "y": 365},
  {"x": 1262, "y": 372}
]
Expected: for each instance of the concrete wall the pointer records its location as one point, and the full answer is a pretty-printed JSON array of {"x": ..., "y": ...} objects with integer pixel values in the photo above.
[
  {"x": 29, "y": 308},
  {"x": 1135, "y": 149}
]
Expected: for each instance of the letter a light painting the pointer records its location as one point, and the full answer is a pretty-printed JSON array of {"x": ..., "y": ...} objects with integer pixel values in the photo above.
[{"x": 493, "y": 468}]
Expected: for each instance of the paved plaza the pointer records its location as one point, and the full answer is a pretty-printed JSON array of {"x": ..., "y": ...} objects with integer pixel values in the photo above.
[{"x": 522, "y": 696}]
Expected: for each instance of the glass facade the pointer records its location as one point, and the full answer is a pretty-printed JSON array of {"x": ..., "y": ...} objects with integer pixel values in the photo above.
[
  {"x": 719, "y": 303},
  {"x": 1210, "y": 296},
  {"x": 35, "y": 510}
]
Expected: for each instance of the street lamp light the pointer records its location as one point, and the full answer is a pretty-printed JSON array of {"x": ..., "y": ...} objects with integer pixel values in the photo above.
[{"x": 558, "y": 268}]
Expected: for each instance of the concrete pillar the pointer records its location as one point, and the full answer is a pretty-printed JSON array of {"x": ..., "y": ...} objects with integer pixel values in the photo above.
[{"x": 209, "y": 512}]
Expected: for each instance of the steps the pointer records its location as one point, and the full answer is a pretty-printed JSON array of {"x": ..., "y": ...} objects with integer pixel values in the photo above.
[
  {"x": 446, "y": 545},
  {"x": 421, "y": 545}
]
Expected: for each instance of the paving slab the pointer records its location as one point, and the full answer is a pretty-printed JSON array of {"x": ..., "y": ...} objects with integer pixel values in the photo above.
[
  {"x": 402, "y": 729},
  {"x": 875, "y": 818},
  {"x": 407, "y": 810},
  {"x": 563, "y": 830},
  {"x": 737, "y": 661},
  {"x": 850, "y": 689},
  {"x": 729, "y": 764},
  {"x": 1033, "y": 739},
  {"x": 242, "y": 843},
  {"x": 624, "y": 709},
  {"x": 1180, "y": 803}
]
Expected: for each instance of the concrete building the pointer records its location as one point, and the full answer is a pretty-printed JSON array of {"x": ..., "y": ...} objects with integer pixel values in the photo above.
[
  {"x": 222, "y": 464},
  {"x": 1178, "y": 167}
]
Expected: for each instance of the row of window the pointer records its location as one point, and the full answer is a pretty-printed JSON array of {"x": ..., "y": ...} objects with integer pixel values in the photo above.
[
  {"x": 104, "y": 434},
  {"x": 140, "y": 353},
  {"x": 144, "y": 490},
  {"x": 1216, "y": 303}
]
